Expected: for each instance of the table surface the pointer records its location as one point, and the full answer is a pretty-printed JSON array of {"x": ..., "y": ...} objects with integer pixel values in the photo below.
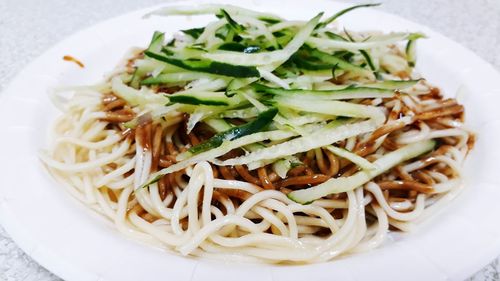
[{"x": 29, "y": 27}]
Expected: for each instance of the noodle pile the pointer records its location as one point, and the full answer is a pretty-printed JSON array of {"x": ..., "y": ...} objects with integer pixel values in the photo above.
[{"x": 106, "y": 151}]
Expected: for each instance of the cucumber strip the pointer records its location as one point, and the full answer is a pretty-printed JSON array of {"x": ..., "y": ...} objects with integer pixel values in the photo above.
[
  {"x": 345, "y": 93},
  {"x": 264, "y": 119},
  {"x": 282, "y": 166},
  {"x": 368, "y": 59},
  {"x": 410, "y": 48},
  {"x": 253, "y": 146},
  {"x": 158, "y": 113},
  {"x": 247, "y": 59},
  {"x": 183, "y": 52},
  {"x": 207, "y": 9},
  {"x": 135, "y": 97},
  {"x": 149, "y": 66},
  {"x": 135, "y": 82},
  {"x": 298, "y": 40},
  {"x": 258, "y": 29},
  {"x": 330, "y": 61},
  {"x": 209, "y": 34},
  {"x": 208, "y": 66},
  {"x": 268, "y": 20},
  {"x": 265, "y": 58},
  {"x": 240, "y": 113},
  {"x": 207, "y": 84},
  {"x": 236, "y": 47},
  {"x": 238, "y": 28},
  {"x": 300, "y": 120},
  {"x": 196, "y": 97},
  {"x": 237, "y": 84},
  {"x": 286, "y": 25},
  {"x": 281, "y": 123},
  {"x": 186, "y": 158},
  {"x": 219, "y": 125},
  {"x": 344, "y": 184},
  {"x": 294, "y": 161},
  {"x": 155, "y": 45},
  {"x": 258, "y": 164},
  {"x": 336, "y": 108},
  {"x": 393, "y": 64},
  {"x": 232, "y": 46},
  {"x": 185, "y": 99},
  {"x": 269, "y": 76},
  {"x": 174, "y": 78},
  {"x": 229, "y": 37},
  {"x": 156, "y": 42},
  {"x": 340, "y": 13},
  {"x": 302, "y": 63},
  {"x": 194, "y": 32},
  {"x": 308, "y": 80},
  {"x": 333, "y": 132},
  {"x": 353, "y": 157},
  {"x": 329, "y": 86},
  {"x": 194, "y": 118},
  {"x": 291, "y": 48},
  {"x": 202, "y": 112},
  {"x": 328, "y": 44},
  {"x": 335, "y": 36},
  {"x": 393, "y": 84}
]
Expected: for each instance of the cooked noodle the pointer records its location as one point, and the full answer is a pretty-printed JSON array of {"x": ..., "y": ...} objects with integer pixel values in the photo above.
[{"x": 210, "y": 209}]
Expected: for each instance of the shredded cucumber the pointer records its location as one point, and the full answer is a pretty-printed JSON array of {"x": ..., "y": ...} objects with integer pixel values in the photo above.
[
  {"x": 135, "y": 97},
  {"x": 174, "y": 78},
  {"x": 248, "y": 59},
  {"x": 206, "y": 98},
  {"x": 313, "y": 59},
  {"x": 340, "y": 94},
  {"x": 291, "y": 48},
  {"x": 186, "y": 159},
  {"x": 281, "y": 167},
  {"x": 245, "y": 113},
  {"x": 207, "y": 66},
  {"x": 343, "y": 184},
  {"x": 238, "y": 28},
  {"x": 393, "y": 84},
  {"x": 156, "y": 42},
  {"x": 410, "y": 48},
  {"x": 219, "y": 125},
  {"x": 336, "y": 108},
  {"x": 205, "y": 9},
  {"x": 333, "y": 132},
  {"x": 328, "y": 44},
  {"x": 263, "y": 120},
  {"x": 353, "y": 157},
  {"x": 293, "y": 86},
  {"x": 340, "y": 13},
  {"x": 265, "y": 58}
]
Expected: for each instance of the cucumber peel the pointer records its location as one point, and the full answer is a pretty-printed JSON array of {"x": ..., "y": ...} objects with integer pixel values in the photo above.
[{"x": 344, "y": 184}]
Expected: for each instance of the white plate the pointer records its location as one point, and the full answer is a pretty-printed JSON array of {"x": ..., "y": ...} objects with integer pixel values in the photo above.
[{"x": 76, "y": 244}]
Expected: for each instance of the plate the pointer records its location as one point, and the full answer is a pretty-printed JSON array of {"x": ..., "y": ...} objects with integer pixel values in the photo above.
[{"x": 76, "y": 244}]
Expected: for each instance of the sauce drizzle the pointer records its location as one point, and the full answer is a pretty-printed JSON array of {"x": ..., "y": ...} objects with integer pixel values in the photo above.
[{"x": 72, "y": 59}]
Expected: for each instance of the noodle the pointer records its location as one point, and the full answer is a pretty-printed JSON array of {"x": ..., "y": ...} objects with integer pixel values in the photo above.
[{"x": 108, "y": 144}]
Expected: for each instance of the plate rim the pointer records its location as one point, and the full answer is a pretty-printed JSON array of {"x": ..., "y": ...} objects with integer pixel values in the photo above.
[{"x": 71, "y": 272}]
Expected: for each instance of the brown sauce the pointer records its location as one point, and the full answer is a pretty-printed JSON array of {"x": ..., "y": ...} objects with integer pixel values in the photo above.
[{"x": 72, "y": 59}]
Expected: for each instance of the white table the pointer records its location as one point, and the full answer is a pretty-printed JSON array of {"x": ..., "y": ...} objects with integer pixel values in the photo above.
[{"x": 29, "y": 27}]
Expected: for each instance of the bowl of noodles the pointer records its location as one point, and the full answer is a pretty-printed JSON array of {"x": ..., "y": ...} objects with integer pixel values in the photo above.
[{"x": 242, "y": 138}]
